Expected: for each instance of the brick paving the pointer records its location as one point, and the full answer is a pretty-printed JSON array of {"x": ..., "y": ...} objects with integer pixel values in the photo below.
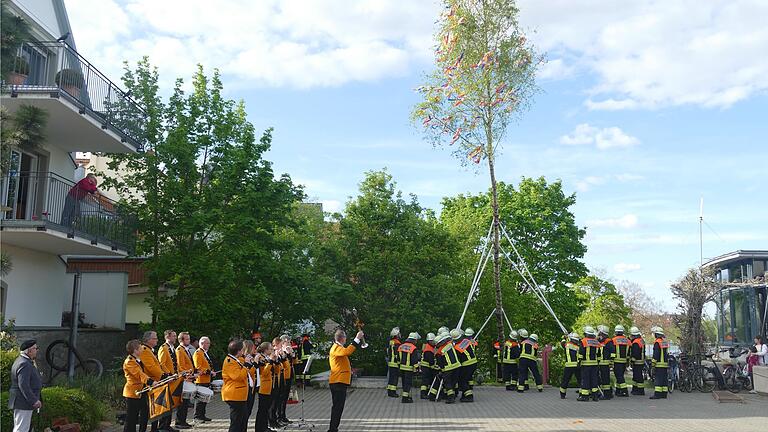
[{"x": 495, "y": 409}]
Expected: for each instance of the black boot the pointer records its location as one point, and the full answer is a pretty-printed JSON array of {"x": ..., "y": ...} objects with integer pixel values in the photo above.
[
  {"x": 511, "y": 387},
  {"x": 562, "y": 395},
  {"x": 424, "y": 394},
  {"x": 470, "y": 398},
  {"x": 392, "y": 393},
  {"x": 406, "y": 399},
  {"x": 595, "y": 397},
  {"x": 581, "y": 398}
]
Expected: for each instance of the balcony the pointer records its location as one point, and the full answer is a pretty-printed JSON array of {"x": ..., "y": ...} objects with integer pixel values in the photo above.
[
  {"x": 87, "y": 111},
  {"x": 40, "y": 211}
]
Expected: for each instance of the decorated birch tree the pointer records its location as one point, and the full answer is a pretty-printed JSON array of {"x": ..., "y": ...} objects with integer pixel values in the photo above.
[{"x": 484, "y": 78}]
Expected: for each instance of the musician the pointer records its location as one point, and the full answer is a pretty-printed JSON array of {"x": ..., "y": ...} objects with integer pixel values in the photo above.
[
  {"x": 184, "y": 358},
  {"x": 152, "y": 367},
  {"x": 264, "y": 352},
  {"x": 237, "y": 386},
  {"x": 248, "y": 358},
  {"x": 137, "y": 408},
  {"x": 167, "y": 356},
  {"x": 288, "y": 378},
  {"x": 341, "y": 374},
  {"x": 278, "y": 382},
  {"x": 204, "y": 369}
]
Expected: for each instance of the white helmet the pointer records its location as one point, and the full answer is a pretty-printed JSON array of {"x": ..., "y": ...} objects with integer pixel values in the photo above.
[
  {"x": 414, "y": 336},
  {"x": 523, "y": 333},
  {"x": 395, "y": 332},
  {"x": 634, "y": 331},
  {"x": 442, "y": 329},
  {"x": 513, "y": 335},
  {"x": 659, "y": 330},
  {"x": 430, "y": 337},
  {"x": 534, "y": 337},
  {"x": 573, "y": 336},
  {"x": 589, "y": 331},
  {"x": 456, "y": 333},
  {"x": 442, "y": 337},
  {"x": 619, "y": 329},
  {"x": 602, "y": 329},
  {"x": 469, "y": 332}
]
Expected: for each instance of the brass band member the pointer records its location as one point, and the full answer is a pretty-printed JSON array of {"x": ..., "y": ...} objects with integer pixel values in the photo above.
[
  {"x": 137, "y": 408},
  {"x": 204, "y": 369},
  {"x": 341, "y": 374},
  {"x": 237, "y": 386},
  {"x": 184, "y": 358},
  {"x": 152, "y": 367},
  {"x": 266, "y": 358},
  {"x": 248, "y": 358},
  {"x": 166, "y": 353}
]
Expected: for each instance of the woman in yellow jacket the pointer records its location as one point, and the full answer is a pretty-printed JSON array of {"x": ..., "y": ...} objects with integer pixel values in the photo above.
[
  {"x": 266, "y": 358},
  {"x": 237, "y": 385},
  {"x": 137, "y": 408}
]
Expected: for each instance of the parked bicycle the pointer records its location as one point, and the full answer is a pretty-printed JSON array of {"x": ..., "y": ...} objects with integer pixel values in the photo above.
[
  {"x": 57, "y": 356},
  {"x": 735, "y": 372}
]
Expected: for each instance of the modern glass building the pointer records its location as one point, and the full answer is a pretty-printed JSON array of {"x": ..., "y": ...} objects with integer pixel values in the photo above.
[{"x": 741, "y": 303}]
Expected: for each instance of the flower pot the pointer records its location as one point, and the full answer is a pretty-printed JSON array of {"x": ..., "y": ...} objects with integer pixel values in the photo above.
[
  {"x": 72, "y": 90},
  {"x": 15, "y": 78}
]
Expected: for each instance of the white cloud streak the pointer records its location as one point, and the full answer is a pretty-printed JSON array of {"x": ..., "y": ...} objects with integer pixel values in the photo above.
[{"x": 602, "y": 138}]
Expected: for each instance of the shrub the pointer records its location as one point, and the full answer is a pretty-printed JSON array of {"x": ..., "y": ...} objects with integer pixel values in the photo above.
[
  {"x": 73, "y": 404},
  {"x": 556, "y": 366},
  {"x": 69, "y": 77},
  {"x": 6, "y": 362},
  {"x": 6, "y": 415},
  {"x": 108, "y": 388}
]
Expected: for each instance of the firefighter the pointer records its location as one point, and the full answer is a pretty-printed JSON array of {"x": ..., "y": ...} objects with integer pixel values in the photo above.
[
  {"x": 660, "y": 362},
  {"x": 304, "y": 352},
  {"x": 571, "y": 348},
  {"x": 637, "y": 354},
  {"x": 449, "y": 367},
  {"x": 470, "y": 334},
  {"x": 510, "y": 357},
  {"x": 465, "y": 348},
  {"x": 428, "y": 366},
  {"x": 605, "y": 361},
  {"x": 588, "y": 357},
  {"x": 393, "y": 362},
  {"x": 409, "y": 359},
  {"x": 620, "y": 360},
  {"x": 529, "y": 352}
]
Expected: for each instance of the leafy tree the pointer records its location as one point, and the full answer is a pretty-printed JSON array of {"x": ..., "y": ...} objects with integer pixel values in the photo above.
[
  {"x": 694, "y": 290},
  {"x": 13, "y": 32},
  {"x": 605, "y": 304},
  {"x": 24, "y": 129},
  {"x": 397, "y": 262},
  {"x": 538, "y": 218},
  {"x": 484, "y": 78}
]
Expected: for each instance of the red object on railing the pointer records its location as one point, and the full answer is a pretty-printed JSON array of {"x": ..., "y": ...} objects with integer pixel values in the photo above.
[{"x": 545, "y": 362}]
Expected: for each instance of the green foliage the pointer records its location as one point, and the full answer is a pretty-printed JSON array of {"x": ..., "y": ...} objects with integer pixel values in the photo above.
[
  {"x": 6, "y": 414},
  {"x": 538, "y": 217},
  {"x": 397, "y": 266},
  {"x": 108, "y": 389},
  {"x": 6, "y": 264},
  {"x": 69, "y": 77},
  {"x": 13, "y": 32},
  {"x": 605, "y": 305},
  {"x": 25, "y": 129},
  {"x": 74, "y": 404},
  {"x": 7, "y": 357},
  {"x": 556, "y": 366}
]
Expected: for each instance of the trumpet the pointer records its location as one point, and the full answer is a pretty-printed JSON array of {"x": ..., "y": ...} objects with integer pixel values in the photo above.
[
  {"x": 359, "y": 324},
  {"x": 166, "y": 380}
]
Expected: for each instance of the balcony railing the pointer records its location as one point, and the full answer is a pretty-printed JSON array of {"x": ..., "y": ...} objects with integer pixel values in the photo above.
[
  {"x": 52, "y": 201},
  {"x": 55, "y": 67}
]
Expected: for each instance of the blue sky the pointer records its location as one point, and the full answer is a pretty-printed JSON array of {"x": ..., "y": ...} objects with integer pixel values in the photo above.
[{"x": 645, "y": 108}]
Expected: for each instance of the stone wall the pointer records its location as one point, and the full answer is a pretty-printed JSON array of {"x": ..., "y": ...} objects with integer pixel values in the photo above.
[{"x": 106, "y": 345}]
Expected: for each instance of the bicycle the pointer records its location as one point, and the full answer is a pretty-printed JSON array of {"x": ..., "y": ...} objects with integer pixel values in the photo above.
[
  {"x": 735, "y": 373},
  {"x": 674, "y": 374},
  {"x": 57, "y": 356},
  {"x": 703, "y": 378},
  {"x": 685, "y": 383}
]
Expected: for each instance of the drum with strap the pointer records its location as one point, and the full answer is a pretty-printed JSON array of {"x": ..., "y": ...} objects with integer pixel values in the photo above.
[
  {"x": 204, "y": 394},
  {"x": 216, "y": 385},
  {"x": 189, "y": 390}
]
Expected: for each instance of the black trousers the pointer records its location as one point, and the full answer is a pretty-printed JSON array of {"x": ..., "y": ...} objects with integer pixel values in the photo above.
[
  {"x": 238, "y": 422},
  {"x": 262, "y": 413},
  {"x": 604, "y": 373},
  {"x": 589, "y": 380},
  {"x": 407, "y": 382},
  {"x": 284, "y": 401},
  {"x": 182, "y": 410},
  {"x": 528, "y": 365},
  {"x": 251, "y": 400},
  {"x": 466, "y": 374},
  {"x": 394, "y": 375},
  {"x": 136, "y": 413},
  {"x": 661, "y": 381},
  {"x": 510, "y": 373},
  {"x": 427, "y": 377},
  {"x": 338, "y": 398},
  {"x": 638, "y": 379},
  {"x": 200, "y": 406},
  {"x": 449, "y": 382},
  {"x": 276, "y": 399},
  {"x": 569, "y": 372},
  {"x": 619, "y": 368}
]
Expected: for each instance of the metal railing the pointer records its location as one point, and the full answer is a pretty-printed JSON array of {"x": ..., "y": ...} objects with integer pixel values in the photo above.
[
  {"x": 44, "y": 67},
  {"x": 60, "y": 205}
]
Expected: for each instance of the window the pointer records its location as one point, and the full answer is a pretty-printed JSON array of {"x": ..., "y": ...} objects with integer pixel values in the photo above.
[
  {"x": 741, "y": 321},
  {"x": 759, "y": 268},
  {"x": 725, "y": 316}
]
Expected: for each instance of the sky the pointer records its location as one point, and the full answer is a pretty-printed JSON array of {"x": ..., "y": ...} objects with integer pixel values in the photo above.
[{"x": 645, "y": 107}]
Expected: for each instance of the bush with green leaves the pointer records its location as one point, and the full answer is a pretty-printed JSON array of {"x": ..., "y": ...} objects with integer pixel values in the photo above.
[
  {"x": 7, "y": 358},
  {"x": 108, "y": 388},
  {"x": 74, "y": 404}
]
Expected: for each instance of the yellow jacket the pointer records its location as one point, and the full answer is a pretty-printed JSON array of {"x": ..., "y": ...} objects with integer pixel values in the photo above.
[
  {"x": 202, "y": 366},
  {"x": 166, "y": 360},
  {"x": 341, "y": 368},
  {"x": 235, "y": 376},
  {"x": 184, "y": 359},
  {"x": 152, "y": 366},
  {"x": 135, "y": 378},
  {"x": 265, "y": 372}
]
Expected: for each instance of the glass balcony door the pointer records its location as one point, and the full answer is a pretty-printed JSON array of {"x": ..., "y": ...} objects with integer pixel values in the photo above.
[{"x": 19, "y": 188}]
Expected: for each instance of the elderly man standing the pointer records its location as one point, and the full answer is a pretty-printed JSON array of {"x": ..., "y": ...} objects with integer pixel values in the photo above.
[
  {"x": 24, "y": 393},
  {"x": 341, "y": 374}
]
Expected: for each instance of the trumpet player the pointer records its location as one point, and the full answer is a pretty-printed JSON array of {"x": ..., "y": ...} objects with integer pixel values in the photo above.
[
  {"x": 265, "y": 359},
  {"x": 237, "y": 386},
  {"x": 137, "y": 408}
]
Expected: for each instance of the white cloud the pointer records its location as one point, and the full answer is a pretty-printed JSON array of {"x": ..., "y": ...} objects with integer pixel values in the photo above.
[
  {"x": 556, "y": 69},
  {"x": 627, "y": 221},
  {"x": 602, "y": 138},
  {"x": 332, "y": 206},
  {"x": 586, "y": 183},
  {"x": 623, "y": 267},
  {"x": 654, "y": 53}
]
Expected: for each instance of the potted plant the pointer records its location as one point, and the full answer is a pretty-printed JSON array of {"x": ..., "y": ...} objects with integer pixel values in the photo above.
[
  {"x": 70, "y": 80},
  {"x": 19, "y": 72}
]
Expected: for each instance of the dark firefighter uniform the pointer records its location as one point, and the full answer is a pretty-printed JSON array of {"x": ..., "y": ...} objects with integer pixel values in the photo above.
[
  {"x": 303, "y": 353},
  {"x": 509, "y": 361},
  {"x": 429, "y": 368},
  {"x": 497, "y": 354},
  {"x": 637, "y": 355},
  {"x": 604, "y": 363},
  {"x": 660, "y": 362},
  {"x": 529, "y": 352},
  {"x": 571, "y": 350},
  {"x": 465, "y": 349},
  {"x": 449, "y": 365},
  {"x": 409, "y": 359},
  {"x": 588, "y": 357},
  {"x": 393, "y": 363},
  {"x": 620, "y": 360}
]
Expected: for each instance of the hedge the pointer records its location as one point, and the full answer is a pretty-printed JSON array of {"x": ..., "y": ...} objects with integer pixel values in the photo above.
[
  {"x": 74, "y": 404},
  {"x": 7, "y": 357}
]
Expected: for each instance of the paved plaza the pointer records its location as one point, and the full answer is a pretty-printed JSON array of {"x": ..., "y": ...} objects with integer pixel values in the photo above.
[{"x": 498, "y": 410}]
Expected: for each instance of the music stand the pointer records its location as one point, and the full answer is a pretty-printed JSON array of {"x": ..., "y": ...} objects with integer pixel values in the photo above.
[{"x": 303, "y": 423}]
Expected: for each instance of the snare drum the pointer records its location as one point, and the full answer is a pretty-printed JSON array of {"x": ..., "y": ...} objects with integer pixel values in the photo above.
[
  {"x": 216, "y": 385},
  {"x": 204, "y": 394},
  {"x": 189, "y": 390}
]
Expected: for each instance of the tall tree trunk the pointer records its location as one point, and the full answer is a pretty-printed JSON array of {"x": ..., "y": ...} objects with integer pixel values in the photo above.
[{"x": 496, "y": 237}]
